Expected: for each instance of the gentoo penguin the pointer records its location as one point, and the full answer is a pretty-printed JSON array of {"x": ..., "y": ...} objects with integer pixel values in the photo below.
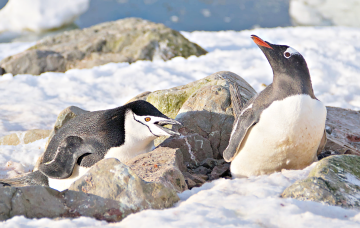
[
  {"x": 283, "y": 127},
  {"x": 121, "y": 133}
]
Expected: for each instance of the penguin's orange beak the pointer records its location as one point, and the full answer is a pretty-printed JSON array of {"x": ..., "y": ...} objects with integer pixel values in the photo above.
[{"x": 260, "y": 42}]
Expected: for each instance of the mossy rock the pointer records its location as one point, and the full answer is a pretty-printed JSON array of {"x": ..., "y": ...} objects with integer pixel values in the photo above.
[
  {"x": 170, "y": 101},
  {"x": 207, "y": 97},
  {"x": 335, "y": 180},
  {"x": 126, "y": 40}
]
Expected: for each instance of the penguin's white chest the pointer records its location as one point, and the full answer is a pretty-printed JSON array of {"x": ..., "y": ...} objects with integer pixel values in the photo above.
[
  {"x": 287, "y": 136},
  {"x": 62, "y": 184}
]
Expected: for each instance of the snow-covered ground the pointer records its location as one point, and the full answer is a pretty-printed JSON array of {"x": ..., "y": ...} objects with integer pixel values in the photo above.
[
  {"x": 333, "y": 57},
  {"x": 40, "y": 15},
  {"x": 325, "y": 12}
]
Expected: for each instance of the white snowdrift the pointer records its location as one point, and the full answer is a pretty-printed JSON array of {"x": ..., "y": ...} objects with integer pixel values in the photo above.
[
  {"x": 40, "y": 15},
  {"x": 325, "y": 12}
]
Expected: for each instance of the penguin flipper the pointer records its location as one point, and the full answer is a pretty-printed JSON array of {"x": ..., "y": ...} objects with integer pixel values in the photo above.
[
  {"x": 235, "y": 100},
  {"x": 29, "y": 179},
  {"x": 67, "y": 154},
  {"x": 245, "y": 118},
  {"x": 240, "y": 128}
]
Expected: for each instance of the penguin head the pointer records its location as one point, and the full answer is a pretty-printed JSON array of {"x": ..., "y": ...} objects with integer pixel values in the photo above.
[
  {"x": 283, "y": 59},
  {"x": 148, "y": 120}
]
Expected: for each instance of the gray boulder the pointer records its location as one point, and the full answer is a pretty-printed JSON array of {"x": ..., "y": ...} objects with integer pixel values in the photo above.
[
  {"x": 34, "y": 62},
  {"x": 109, "y": 191},
  {"x": 342, "y": 131},
  {"x": 111, "y": 179},
  {"x": 126, "y": 40},
  {"x": 334, "y": 181},
  {"x": 163, "y": 165},
  {"x": 204, "y": 108}
]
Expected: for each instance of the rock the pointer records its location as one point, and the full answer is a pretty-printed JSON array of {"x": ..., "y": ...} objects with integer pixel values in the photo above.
[
  {"x": 109, "y": 191},
  {"x": 190, "y": 183},
  {"x": 111, "y": 179},
  {"x": 24, "y": 137},
  {"x": 335, "y": 180},
  {"x": 204, "y": 108},
  {"x": 128, "y": 194},
  {"x": 126, "y": 40},
  {"x": 194, "y": 148},
  {"x": 342, "y": 131},
  {"x": 34, "y": 62},
  {"x": 202, "y": 170},
  {"x": 220, "y": 171},
  {"x": 163, "y": 165},
  {"x": 63, "y": 117},
  {"x": 66, "y": 115},
  {"x": 209, "y": 163},
  {"x": 195, "y": 180}
]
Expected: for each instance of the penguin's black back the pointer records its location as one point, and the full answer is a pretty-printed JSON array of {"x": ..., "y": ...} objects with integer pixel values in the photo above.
[{"x": 100, "y": 129}]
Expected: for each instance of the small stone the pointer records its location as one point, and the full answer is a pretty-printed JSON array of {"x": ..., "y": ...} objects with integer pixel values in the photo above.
[
  {"x": 202, "y": 170},
  {"x": 209, "y": 163},
  {"x": 220, "y": 171},
  {"x": 190, "y": 183},
  {"x": 24, "y": 137},
  {"x": 197, "y": 179},
  {"x": 201, "y": 178}
]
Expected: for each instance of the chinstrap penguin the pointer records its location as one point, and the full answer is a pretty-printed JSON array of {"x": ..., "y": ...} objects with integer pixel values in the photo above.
[
  {"x": 283, "y": 127},
  {"x": 121, "y": 133}
]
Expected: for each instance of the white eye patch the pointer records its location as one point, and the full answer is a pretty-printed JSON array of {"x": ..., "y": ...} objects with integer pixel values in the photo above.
[{"x": 290, "y": 52}]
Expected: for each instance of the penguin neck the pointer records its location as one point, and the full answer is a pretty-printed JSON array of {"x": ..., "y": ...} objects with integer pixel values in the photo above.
[
  {"x": 293, "y": 83},
  {"x": 138, "y": 140}
]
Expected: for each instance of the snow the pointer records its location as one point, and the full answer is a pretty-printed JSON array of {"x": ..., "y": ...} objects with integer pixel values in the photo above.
[
  {"x": 333, "y": 59},
  {"x": 8, "y": 49},
  {"x": 352, "y": 179},
  {"x": 40, "y": 15},
  {"x": 250, "y": 202},
  {"x": 325, "y": 12},
  {"x": 331, "y": 54}
]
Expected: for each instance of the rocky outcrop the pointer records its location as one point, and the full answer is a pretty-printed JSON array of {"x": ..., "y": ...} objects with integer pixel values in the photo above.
[
  {"x": 126, "y": 40},
  {"x": 109, "y": 191},
  {"x": 335, "y": 181},
  {"x": 24, "y": 137},
  {"x": 342, "y": 131},
  {"x": 204, "y": 108}
]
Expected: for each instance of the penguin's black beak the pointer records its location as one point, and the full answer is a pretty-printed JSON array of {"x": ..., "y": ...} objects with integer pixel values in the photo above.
[{"x": 169, "y": 121}]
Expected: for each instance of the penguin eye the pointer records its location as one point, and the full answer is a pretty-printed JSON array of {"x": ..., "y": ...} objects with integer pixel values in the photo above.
[
  {"x": 287, "y": 54},
  {"x": 147, "y": 119}
]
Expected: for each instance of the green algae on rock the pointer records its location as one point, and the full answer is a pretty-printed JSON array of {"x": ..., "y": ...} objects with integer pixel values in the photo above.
[{"x": 335, "y": 180}]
